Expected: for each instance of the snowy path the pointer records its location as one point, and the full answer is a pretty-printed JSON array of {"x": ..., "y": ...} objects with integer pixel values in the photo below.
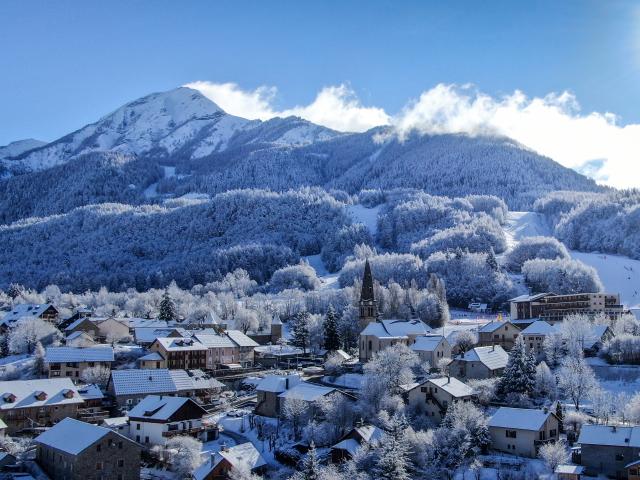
[
  {"x": 619, "y": 274},
  {"x": 152, "y": 190}
]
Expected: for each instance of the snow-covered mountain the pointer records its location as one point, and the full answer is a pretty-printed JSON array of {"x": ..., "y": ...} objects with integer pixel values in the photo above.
[
  {"x": 19, "y": 147},
  {"x": 180, "y": 123}
]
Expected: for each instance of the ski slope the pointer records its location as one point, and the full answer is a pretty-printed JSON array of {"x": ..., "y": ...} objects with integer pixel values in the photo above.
[{"x": 619, "y": 274}]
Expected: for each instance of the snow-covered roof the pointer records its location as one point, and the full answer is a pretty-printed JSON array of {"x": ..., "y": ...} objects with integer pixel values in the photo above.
[
  {"x": 277, "y": 383},
  {"x": 244, "y": 454},
  {"x": 115, "y": 422},
  {"x": 153, "y": 356},
  {"x": 595, "y": 335},
  {"x": 58, "y": 391},
  {"x": 79, "y": 334},
  {"x": 214, "y": 340},
  {"x": 370, "y": 433},
  {"x": 90, "y": 392},
  {"x": 149, "y": 334},
  {"x": 350, "y": 445},
  {"x": 241, "y": 339},
  {"x": 145, "y": 322},
  {"x": 573, "y": 469},
  {"x": 491, "y": 326},
  {"x": 178, "y": 344},
  {"x": 452, "y": 386},
  {"x": 75, "y": 323},
  {"x": 396, "y": 328},
  {"x": 493, "y": 357},
  {"x": 24, "y": 310},
  {"x": 161, "y": 380},
  {"x": 158, "y": 407},
  {"x": 519, "y": 418},
  {"x": 540, "y": 327},
  {"x": 427, "y": 343},
  {"x": 309, "y": 392},
  {"x": 613, "y": 436},
  {"x": 78, "y": 354},
  {"x": 73, "y": 436},
  {"x": 529, "y": 298}
]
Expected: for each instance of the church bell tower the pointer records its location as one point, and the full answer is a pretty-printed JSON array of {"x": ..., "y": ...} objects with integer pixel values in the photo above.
[{"x": 368, "y": 306}]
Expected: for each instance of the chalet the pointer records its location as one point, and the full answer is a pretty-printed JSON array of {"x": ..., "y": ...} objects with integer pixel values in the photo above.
[
  {"x": 158, "y": 418},
  {"x": 72, "y": 362},
  {"x": 432, "y": 349},
  {"x": 521, "y": 431},
  {"x": 82, "y": 324},
  {"x": 534, "y": 336},
  {"x": 597, "y": 337},
  {"x": 381, "y": 334},
  {"x": 434, "y": 396},
  {"x": 479, "y": 363},
  {"x": 268, "y": 390},
  {"x": 37, "y": 403},
  {"x": 181, "y": 353},
  {"x": 79, "y": 340},
  {"x": 26, "y": 311},
  {"x": 129, "y": 387},
  {"x": 498, "y": 333},
  {"x": 608, "y": 450},
  {"x": 243, "y": 457},
  {"x": 360, "y": 436},
  {"x": 77, "y": 450}
]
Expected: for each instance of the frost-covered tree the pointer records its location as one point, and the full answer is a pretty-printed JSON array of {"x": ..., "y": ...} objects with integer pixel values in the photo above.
[
  {"x": 577, "y": 379},
  {"x": 470, "y": 419},
  {"x": 554, "y": 348},
  {"x": 97, "y": 375},
  {"x": 561, "y": 276},
  {"x": 331, "y": 336},
  {"x": 519, "y": 375},
  {"x": 545, "y": 382},
  {"x": 535, "y": 247},
  {"x": 296, "y": 411},
  {"x": 554, "y": 454},
  {"x": 576, "y": 331},
  {"x": 184, "y": 454},
  {"x": 300, "y": 332},
  {"x": 167, "y": 308},
  {"x": 245, "y": 319},
  {"x": 24, "y": 337},
  {"x": 393, "y": 453},
  {"x": 622, "y": 348},
  {"x": 301, "y": 276},
  {"x": 38, "y": 360},
  {"x": 465, "y": 340}
]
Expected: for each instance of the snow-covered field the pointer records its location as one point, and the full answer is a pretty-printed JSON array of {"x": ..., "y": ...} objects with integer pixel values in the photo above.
[{"x": 366, "y": 216}]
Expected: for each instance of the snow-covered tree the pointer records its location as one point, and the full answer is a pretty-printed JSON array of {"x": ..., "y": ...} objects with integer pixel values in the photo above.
[
  {"x": 554, "y": 454},
  {"x": 167, "y": 308},
  {"x": 300, "y": 334},
  {"x": 465, "y": 340},
  {"x": 554, "y": 348},
  {"x": 470, "y": 419},
  {"x": 334, "y": 364},
  {"x": 331, "y": 335},
  {"x": 535, "y": 247},
  {"x": 184, "y": 454},
  {"x": 519, "y": 375},
  {"x": 301, "y": 276},
  {"x": 38, "y": 360},
  {"x": 296, "y": 411},
  {"x": 576, "y": 331},
  {"x": 24, "y": 337},
  {"x": 545, "y": 383},
  {"x": 245, "y": 319},
  {"x": 562, "y": 276},
  {"x": 393, "y": 453},
  {"x": 98, "y": 375},
  {"x": 577, "y": 379}
]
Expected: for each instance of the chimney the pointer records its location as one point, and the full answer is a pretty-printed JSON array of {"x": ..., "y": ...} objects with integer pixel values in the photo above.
[
  {"x": 224, "y": 447},
  {"x": 286, "y": 382},
  {"x": 545, "y": 410},
  {"x": 493, "y": 347},
  {"x": 448, "y": 378},
  {"x": 613, "y": 428}
]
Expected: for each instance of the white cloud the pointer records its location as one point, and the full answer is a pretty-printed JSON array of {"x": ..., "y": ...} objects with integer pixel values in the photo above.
[
  {"x": 335, "y": 107},
  {"x": 593, "y": 143}
]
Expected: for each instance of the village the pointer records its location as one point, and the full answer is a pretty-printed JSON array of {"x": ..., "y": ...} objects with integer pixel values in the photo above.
[{"x": 128, "y": 398}]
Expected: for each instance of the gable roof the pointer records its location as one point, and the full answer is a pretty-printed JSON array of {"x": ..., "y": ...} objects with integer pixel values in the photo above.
[
  {"x": 158, "y": 407},
  {"x": 493, "y": 326},
  {"x": 612, "y": 436},
  {"x": 90, "y": 392},
  {"x": 24, "y": 310},
  {"x": 244, "y": 454},
  {"x": 241, "y": 339},
  {"x": 309, "y": 392},
  {"x": 161, "y": 380},
  {"x": 73, "y": 325},
  {"x": 277, "y": 383},
  {"x": 427, "y": 343},
  {"x": 452, "y": 386},
  {"x": 73, "y": 436},
  {"x": 519, "y": 418},
  {"x": 134, "y": 322},
  {"x": 540, "y": 327},
  {"x": 396, "y": 328},
  {"x": 78, "y": 354},
  {"x": 24, "y": 392},
  {"x": 529, "y": 298},
  {"x": 493, "y": 357},
  {"x": 179, "y": 344},
  {"x": 212, "y": 340},
  {"x": 152, "y": 356},
  {"x": 149, "y": 334}
]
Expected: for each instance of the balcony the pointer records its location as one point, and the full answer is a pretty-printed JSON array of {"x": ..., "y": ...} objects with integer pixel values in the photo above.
[{"x": 188, "y": 431}]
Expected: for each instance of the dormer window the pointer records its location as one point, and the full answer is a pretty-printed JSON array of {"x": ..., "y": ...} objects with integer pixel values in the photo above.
[
  {"x": 40, "y": 395},
  {"x": 9, "y": 397},
  {"x": 67, "y": 393}
]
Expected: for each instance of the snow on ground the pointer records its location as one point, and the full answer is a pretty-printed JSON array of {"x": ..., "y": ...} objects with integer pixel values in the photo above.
[
  {"x": 152, "y": 190},
  {"x": 367, "y": 216},
  {"x": 525, "y": 224},
  {"x": 347, "y": 380},
  {"x": 329, "y": 280},
  {"x": 216, "y": 445}
]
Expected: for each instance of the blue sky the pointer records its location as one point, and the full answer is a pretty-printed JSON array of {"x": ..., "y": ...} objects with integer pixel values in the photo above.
[{"x": 64, "y": 64}]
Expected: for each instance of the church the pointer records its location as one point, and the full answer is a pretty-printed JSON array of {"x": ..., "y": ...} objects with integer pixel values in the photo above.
[{"x": 377, "y": 334}]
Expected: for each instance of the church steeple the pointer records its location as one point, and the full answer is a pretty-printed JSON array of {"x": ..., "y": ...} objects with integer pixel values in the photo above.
[{"x": 368, "y": 304}]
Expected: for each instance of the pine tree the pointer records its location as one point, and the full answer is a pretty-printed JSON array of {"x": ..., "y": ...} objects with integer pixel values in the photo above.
[
  {"x": 167, "y": 308},
  {"x": 15, "y": 290},
  {"x": 300, "y": 334},
  {"x": 311, "y": 469},
  {"x": 491, "y": 260},
  {"x": 4, "y": 345},
  {"x": 560, "y": 416},
  {"x": 519, "y": 376},
  {"x": 38, "y": 363},
  {"x": 393, "y": 455},
  {"x": 331, "y": 336}
]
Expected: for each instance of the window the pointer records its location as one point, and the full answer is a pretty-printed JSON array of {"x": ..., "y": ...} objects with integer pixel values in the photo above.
[
  {"x": 98, "y": 448},
  {"x": 120, "y": 445},
  {"x": 511, "y": 433},
  {"x": 99, "y": 465},
  {"x": 146, "y": 439},
  {"x": 552, "y": 433},
  {"x": 619, "y": 457},
  {"x": 121, "y": 462},
  {"x": 137, "y": 426}
]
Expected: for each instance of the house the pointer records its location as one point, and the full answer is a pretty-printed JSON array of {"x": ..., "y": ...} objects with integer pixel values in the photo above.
[
  {"x": 534, "y": 336},
  {"x": 554, "y": 308},
  {"x": 479, "y": 363},
  {"x": 158, "y": 418},
  {"x": 112, "y": 329},
  {"x": 268, "y": 391},
  {"x": 230, "y": 347},
  {"x": 117, "y": 424},
  {"x": 268, "y": 337},
  {"x": 182, "y": 353},
  {"x": 79, "y": 339},
  {"x": 309, "y": 393},
  {"x": 434, "y": 396},
  {"x": 633, "y": 470},
  {"x": 37, "y": 403},
  {"x": 129, "y": 387},
  {"x": 93, "y": 410},
  {"x": 77, "y": 450},
  {"x": 521, "y": 431},
  {"x": 152, "y": 360},
  {"x": 360, "y": 436},
  {"x": 244, "y": 345},
  {"x": 82, "y": 324},
  {"x": 432, "y": 349},
  {"x": 145, "y": 336},
  {"x": 569, "y": 472},
  {"x": 608, "y": 450},
  {"x": 597, "y": 337},
  {"x": 135, "y": 322},
  {"x": 72, "y": 361},
  {"x": 381, "y": 334},
  {"x": 219, "y": 464},
  {"x": 22, "y": 311},
  {"x": 498, "y": 333}
]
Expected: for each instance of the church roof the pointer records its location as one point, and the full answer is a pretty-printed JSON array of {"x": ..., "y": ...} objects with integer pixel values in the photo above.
[{"x": 367, "y": 283}]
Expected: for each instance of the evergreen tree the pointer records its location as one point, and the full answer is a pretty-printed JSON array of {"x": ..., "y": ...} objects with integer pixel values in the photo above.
[
  {"x": 491, "y": 260},
  {"x": 311, "y": 469},
  {"x": 519, "y": 376},
  {"x": 15, "y": 290},
  {"x": 4, "y": 345},
  {"x": 167, "y": 308},
  {"x": 393, "y": 454},
  {"x": 38, "y": 361},
  {"x": 331, "y": 336},
  {"x": 300, "y": 334},
  {"x": 560, "y": 416}
]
